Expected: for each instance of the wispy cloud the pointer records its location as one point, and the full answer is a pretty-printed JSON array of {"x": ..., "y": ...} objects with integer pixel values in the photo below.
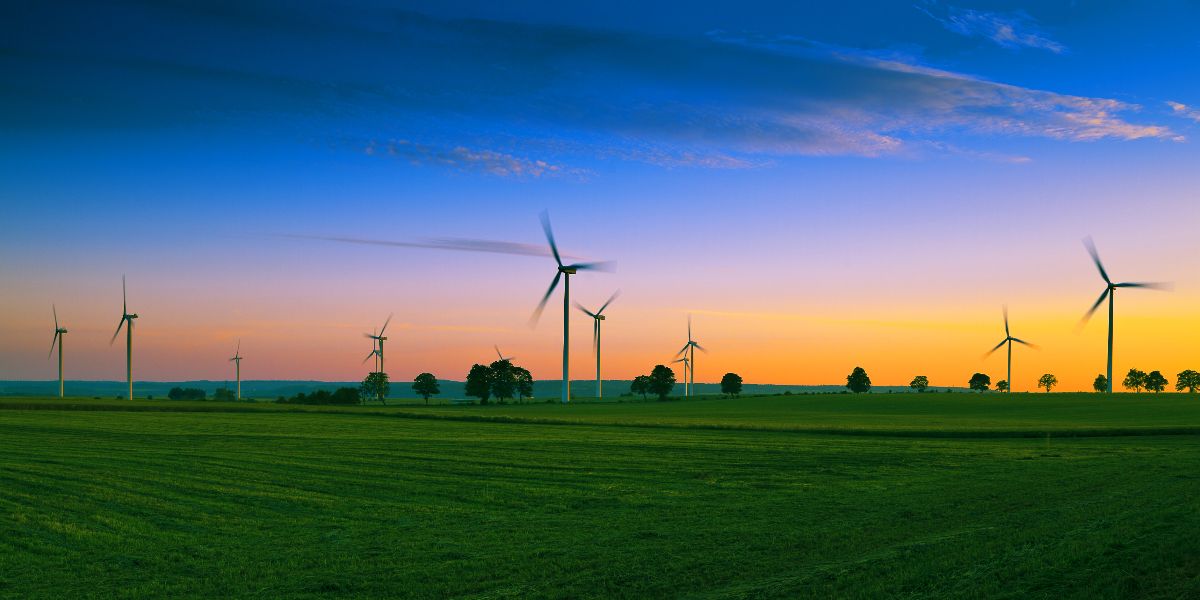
[
  {"x": 462, "y": 158},
  {"x": 1184, "y": 110},
  {"x": 1014, "y": 31}
]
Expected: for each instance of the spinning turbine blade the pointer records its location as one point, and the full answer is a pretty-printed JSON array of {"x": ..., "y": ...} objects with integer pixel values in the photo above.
[
  {"x": 1099, "y": 301},
  {"x": 685, "y": 348},
  {"x": 1020, "y": 341},
  {"x": 607, "y": 266},
  {"x": 52, "y": 342},
  {"x": 1006, "y": 320},
  {"x": 124, "y": 307},
  {"x": 537, "y": 313},
  {"x": 498, "y": 355},
  {"x": 115, "y": 333},
  {"x": 55, "y": 309},
  {"x": 609, "y": 301},
  {"x": 545, "y": 217},
  {"x": 998, "y": 346},
  {"x": 373, "y": 353},
  {"x": 699, "y": 347},
  {"x": 1091, "y": 248},
  {"x": 1160, "y": 286},
  {"x": 585, "y": 311},
  {"x": 385, "y": 324}
]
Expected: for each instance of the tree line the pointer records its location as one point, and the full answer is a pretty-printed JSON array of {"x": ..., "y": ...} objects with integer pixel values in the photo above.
[{"x": 859, "y": 382}]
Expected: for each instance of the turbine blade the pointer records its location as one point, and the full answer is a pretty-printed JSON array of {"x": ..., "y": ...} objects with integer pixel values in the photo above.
[
  {"x": 584, "y": 310},
  {"x": 689, "y": 327},
  {"x": 385, "y": 324},
  {"x": 609, "y": 301},
  {"x": 498, "y": 354},
  {"x": 1020, "y": 341},
  {"x": 114, "y": 337},
  {"x": 1099, "y": 301},
  {"x": 55, "y": 309},
  {"x": 699, "y": 347},
  {"x": 124, "y": 305},
  {"x": 368, "y": 336},
  {"x": 239, "y": 348},
  {"x": 1091, "y": 248},
  {"x": 685, "y": 348},
  {"x": 606, "y": 266},
  {"x": 52, "y": 342},
  {"x": 1149, "y": 285},
  {"x": 998, "y": 346},
  {"x": 373, "y": 352},
  {"x": 537, "y": 313},
  {"x": 1006, "y": 320},
  {"x": 545, "y": 217}
]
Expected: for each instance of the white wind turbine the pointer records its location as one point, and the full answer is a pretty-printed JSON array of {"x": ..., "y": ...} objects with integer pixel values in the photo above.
[
  {"x": 1008, "y": 339},
  {"x": 58, "y": 338},
  {"x": 686, "y": 368},
  {"x": 597, "y": 317},
  {"x": 379, "y": 338},
  {"x": 237, "y": 361},
  {"x": 126, "y": 317},
  {"x": 690, "y": 348}
]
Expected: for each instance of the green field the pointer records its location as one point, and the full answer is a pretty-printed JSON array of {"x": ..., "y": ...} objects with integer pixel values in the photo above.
[{"x": 885, "y": 495}]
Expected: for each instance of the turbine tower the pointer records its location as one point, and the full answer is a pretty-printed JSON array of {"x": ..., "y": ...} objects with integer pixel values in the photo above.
[
  {"x": 1008, "y": 339},
  {"x": 58, "y": 338},
  {"x": 596, "y": 318},
  {"x": 690, "y": 348},
  {"x": 686, "y": 368},
  {"x": 564, "y": 273},
  {"x": 1110, "y": 290},
  {"x": 379, "y": 340},
  {"x": 237, "y": 361},
  {"x": 126, "y": 318}
]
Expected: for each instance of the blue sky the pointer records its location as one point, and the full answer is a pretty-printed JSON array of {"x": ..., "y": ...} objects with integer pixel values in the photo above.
[{"x": 174, "y": 141}]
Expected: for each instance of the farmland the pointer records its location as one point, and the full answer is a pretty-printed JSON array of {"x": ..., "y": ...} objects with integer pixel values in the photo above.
[{"x": 901, "y": 495}]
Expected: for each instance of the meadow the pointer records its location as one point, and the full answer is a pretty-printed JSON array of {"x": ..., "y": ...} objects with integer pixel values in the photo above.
[{"x": 894, "y": 495}]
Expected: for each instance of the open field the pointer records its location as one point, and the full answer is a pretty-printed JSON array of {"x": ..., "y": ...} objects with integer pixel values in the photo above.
[{"x": 345, "y": 502}]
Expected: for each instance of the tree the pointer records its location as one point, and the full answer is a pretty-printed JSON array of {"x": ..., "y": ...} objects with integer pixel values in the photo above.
[
  {"x": 426, "y": 385},
  {"x": 1135, "y": 380},
  {"x": 979, "y": 382},
  {"x": 524, "y": 383},
  {"x": 504, "y": 380},
  {"x": 479, "y": 383},
  {"x": 1155, "y": 382},
  {"x": 1002, "y": 386},
  {"x": 919, "y": 383},
  {"x": 375, "y": 385},
  {"x": 220, "y": 395},
  {"x": 858, "y": 381},
  {"x": 1100, "y": 384},
  {"x": 178, "y": 393},
  {"x": 661, "y": 381},
  {"x": 640, "y": 385},
  {"x": 1047, "y": 381},
  {"x": 731, "y": 384},
  {"x": 1189, "y": 380}
]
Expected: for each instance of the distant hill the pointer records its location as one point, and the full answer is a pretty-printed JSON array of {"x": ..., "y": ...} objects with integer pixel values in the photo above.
[{"x": 270, "y": 389}]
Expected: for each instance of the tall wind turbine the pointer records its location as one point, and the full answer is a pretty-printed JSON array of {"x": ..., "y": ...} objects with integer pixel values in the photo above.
[
  {"x": 379, "y": 340},
  {"x": 564, "y": 272},
  {"x": 237, "y": 360},
  {"x": 1008, "y": 339},
  {"x": 126, "y": 318},
  {"x": 690, "y": 348},
  {"x": 1110, "y": 290},
  {"x": 58, "y": 338},
  {"x": 596, "y": 318},
  {"x": 686, "y": 368}
]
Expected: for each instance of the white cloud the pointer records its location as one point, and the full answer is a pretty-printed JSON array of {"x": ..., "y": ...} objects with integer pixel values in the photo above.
[{"x": 1009, "y": 31}]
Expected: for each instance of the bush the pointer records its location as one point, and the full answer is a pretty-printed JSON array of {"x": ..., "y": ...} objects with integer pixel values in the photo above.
[
  {"x": 178, "y": 393},
  {"x": 345, "y": 395}
]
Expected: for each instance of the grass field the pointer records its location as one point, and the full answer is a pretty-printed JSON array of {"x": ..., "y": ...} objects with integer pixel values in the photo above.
[{"x": 755, "y": 497}]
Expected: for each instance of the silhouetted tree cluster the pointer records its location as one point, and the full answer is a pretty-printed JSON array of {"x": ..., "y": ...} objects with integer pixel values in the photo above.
[
  {"x": 979, "y": 382},
  {"x": 1002, "y": 385},
  {"x": 858, "y": 381},
  {"x": 731, "y": 384},
  {"x": 1156, "y": 382},
  {"x": 1187, "y": 380},
  {"x": 375, "y": 385},
  {"x": 640, "y": 385},
  {"x": 1047, "y": 381},
  {"x": 501, "y": 379},
  {"x": 661, "y": 381},
  {"x": 920, "y": 383},
  {"x": 1135, "y": 380},
  {"x": 1100, "y": 384},
  {"x": 344, "y": 395},
  {"x": 426, "y": 385},
  {"x": 178, "y": 393}
]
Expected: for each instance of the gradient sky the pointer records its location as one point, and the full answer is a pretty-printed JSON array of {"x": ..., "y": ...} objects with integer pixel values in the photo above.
[{"x": 821, "y": 187}]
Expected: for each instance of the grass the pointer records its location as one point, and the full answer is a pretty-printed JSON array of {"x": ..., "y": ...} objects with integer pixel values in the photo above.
[{"x": 575, "y": 502}]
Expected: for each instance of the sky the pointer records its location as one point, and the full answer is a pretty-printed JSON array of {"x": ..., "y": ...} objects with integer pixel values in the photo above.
[{"x": 820, "y": 187}]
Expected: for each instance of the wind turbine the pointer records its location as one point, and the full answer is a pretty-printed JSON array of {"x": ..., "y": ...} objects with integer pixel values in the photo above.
[
  {"x": 1110, "y": 290},
  {"x": 126, "y": 317},
  {"x": 502, "y": 356},
  {"x": 1008, "y": 339},
  {"x": 58, "y": 338},
  {"x": 378, "y": 351},
  {"x": 686, "y": 367},
  {"x": 690, "y": 348},
  {"x": 237, "y": 360},
  {"x": 596, "y": 318},
  {"x": 567, "y": 271}
]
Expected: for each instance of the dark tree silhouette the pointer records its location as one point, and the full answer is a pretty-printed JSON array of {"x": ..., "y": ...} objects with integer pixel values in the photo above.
[
  {"x": 504, "y": 380},
  {"x": 524, "y": 383},
  {"x": 920, "y": 383},
  {"x": 375, "y": 385},
  {"x": 1187, "y": 380},
  {"x": 661, "y": 381},
  {"x": 1002, "y": 386},
  {"x": 640, "y": 385},
  {"x": 1155, "y": 382},
  {"x": 178, "y": 393},
  {"x": 731, "y": 384},
  {"x": 858, "y": 381},
  {"x": 479, "y": 383},
  {"x": 979, "y": 382},
  {"x": 426, "y": 385},
  {"x": 1047, "y": 381},
  {"x": 1135, "y": 380},
  {"x": 1100, "y": 384}
]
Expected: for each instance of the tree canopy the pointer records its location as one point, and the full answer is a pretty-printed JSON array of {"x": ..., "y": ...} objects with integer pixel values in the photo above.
[
  {"x": 640, "y": 385},
  {"x": 1187, "y": 380},
  {"x": 661, "y": 381},
  {"x": 731, "y": 383},
  {"x": 1047, "y": 381},
  {"x": 1100, "y": 384},
  {"x": 479, "y": 383},
  {"x": 979, "y": 382},
  {"x": 920, "y": 383},
  {"x": 1002, "y": 385},
  {"x": 858, "y": 381},
  {"x": 1155, "y": 382},
  {"x": 375, "y": 385},
  {"x": 1135, "y": 380},
  {"x": 426, "y": 385},
  {"x": 503, "y": 379},
  {"x": 524, "y": 382}
]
